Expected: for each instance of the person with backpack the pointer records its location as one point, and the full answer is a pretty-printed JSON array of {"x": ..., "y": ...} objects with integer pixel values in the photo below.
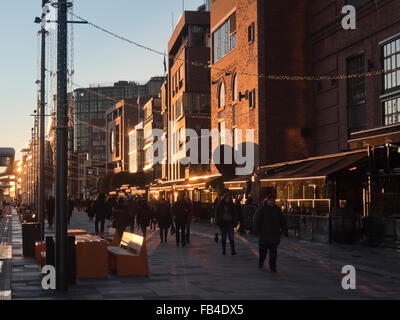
[
  {"x": 268, "y": 224},
  {"x": 100, "y": 209},
  {"x": 227, "y": 220}
]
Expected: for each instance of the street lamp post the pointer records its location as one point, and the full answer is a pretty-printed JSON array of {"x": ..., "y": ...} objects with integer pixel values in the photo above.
[
  {"x": 42, "y": 116},
  {"x": 61, "y": 152}
]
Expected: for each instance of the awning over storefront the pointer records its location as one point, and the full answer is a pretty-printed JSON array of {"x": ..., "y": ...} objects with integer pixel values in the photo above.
[
  {"x": 196, "y": 182},
  {"x": 313, "y": 168},
  {"x": 239, "y": 183}
]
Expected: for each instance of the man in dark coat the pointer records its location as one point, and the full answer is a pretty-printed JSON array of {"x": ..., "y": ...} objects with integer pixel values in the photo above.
[
  {"x": 268, "y": 224},
  {"x": 142, "y": 217},
  {"x": 164, "y": 218},
  {"x": 180, "y": 210},
  {"x": 100, "y": 211},
  {"x": 120, "y": 217},
  {"x": 51, "y": 208}
]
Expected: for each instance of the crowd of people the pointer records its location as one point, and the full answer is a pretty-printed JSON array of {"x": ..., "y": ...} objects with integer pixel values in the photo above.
[{"x": 267, "y": 223}]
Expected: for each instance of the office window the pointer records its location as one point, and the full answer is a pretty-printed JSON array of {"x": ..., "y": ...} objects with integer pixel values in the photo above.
[
  {"x": 117, "y": 140},
  {"x": 251, "y": 31},
  {"x": 356, "y": 114},
  {"x": 391, "y": 62},
  {"x": 221, "y": 94},
  {"x": 224, "y": 38},
  {"x": 391, "y": 81},
  {"x": 392, "y": 111}
]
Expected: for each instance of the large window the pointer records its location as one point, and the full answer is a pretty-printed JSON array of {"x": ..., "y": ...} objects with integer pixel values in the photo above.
[
  {"x": 392, "y": 111},
  {"x": 391, "y": 62},
  {"x": 356, "y": 115},
  {"x": 391, "y": 81},
  {"x": 224, "y": 38}
]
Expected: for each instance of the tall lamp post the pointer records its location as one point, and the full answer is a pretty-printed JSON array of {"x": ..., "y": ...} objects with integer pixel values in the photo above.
[{"x": 43, "y": 32}]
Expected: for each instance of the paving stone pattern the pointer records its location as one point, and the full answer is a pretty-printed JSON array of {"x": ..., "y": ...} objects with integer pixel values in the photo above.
[{"x": 306, "y": 270}]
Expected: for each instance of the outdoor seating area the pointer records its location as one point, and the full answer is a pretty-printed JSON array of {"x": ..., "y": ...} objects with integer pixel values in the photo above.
[{"x": 98, "y": 253}]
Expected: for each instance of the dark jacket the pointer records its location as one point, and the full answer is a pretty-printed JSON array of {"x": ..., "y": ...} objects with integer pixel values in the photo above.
[
  {"x": 231, "y": 210},
  {"x": 100, "y": 209},
  {"x": 142, "y": 210},
  {"x": 120, "y": 217},
  {"x": 180, "y": 211},
  {"x": 164, "y": 215},
  {"x": 268, "y": 224},
  {"x": 51, "y": 206}
]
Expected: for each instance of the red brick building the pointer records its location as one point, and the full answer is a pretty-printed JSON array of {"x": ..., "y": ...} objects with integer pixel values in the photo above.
[
  {"x": 250, "y": 38},
  {"x": 356, "y": 112}
]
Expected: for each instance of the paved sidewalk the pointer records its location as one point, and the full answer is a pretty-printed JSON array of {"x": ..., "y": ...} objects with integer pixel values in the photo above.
[
  {"x": 5, "y": 255},
  {"x": 199, "y": 271}
]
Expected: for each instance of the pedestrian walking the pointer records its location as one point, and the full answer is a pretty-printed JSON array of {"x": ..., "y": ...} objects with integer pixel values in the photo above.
[
  {"x": 89, "y": 209},
  {"x": 180, "y": 212},
  {"x": 190, "y": 213},
  {"x": 227, "y": 220},
  {"x": 100, "y": 209},
  {"x": 120, "y": 217},
  {"x": 268, "y": 224},
  {"x": 142, "y": 218},
  {"x": 164, "y": 218},
  {"x": 51, "y": 208}
]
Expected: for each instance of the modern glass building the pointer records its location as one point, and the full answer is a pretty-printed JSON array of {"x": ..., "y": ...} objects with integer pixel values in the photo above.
[{"x": 90, "y": 106}]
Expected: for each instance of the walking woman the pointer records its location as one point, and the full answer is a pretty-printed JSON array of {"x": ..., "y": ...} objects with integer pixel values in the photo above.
[
  {"x": 226, "y": 219},
  {"x": 268, "y": 224}
]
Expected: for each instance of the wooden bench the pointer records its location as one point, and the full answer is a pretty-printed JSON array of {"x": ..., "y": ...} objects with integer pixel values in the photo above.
[
  {"x": 111, "y": 236},
  {"x": 130, "y": 257}
]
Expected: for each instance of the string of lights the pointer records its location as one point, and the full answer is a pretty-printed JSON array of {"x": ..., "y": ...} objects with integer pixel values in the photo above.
[{"x": 262, "y": 76}]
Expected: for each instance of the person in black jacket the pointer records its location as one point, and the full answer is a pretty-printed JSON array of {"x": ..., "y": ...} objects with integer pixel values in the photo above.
[
  {"x": 164, "y": 218},
  {"x": 180, "y": 211},
  {"x": 51, "y": 208},
  {"x": 142, "y": 217},
  {"x": 120, "y": 217},
  {"x": 99, "y": 208},
  {"x": 268, "y": 224},
  {"x": 226, "y": 219}
]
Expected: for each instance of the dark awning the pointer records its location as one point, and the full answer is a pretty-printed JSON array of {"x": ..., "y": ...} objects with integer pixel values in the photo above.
[{"x": 313, "y": 168}]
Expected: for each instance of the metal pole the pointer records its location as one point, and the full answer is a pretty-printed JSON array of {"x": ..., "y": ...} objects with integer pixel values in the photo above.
[
  {"x": 42, "y": 120},
  {"x": 61, "y": 153}
]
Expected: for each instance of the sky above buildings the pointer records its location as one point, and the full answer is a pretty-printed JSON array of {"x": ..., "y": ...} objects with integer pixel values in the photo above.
[{"x": 98, "y": 57}]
